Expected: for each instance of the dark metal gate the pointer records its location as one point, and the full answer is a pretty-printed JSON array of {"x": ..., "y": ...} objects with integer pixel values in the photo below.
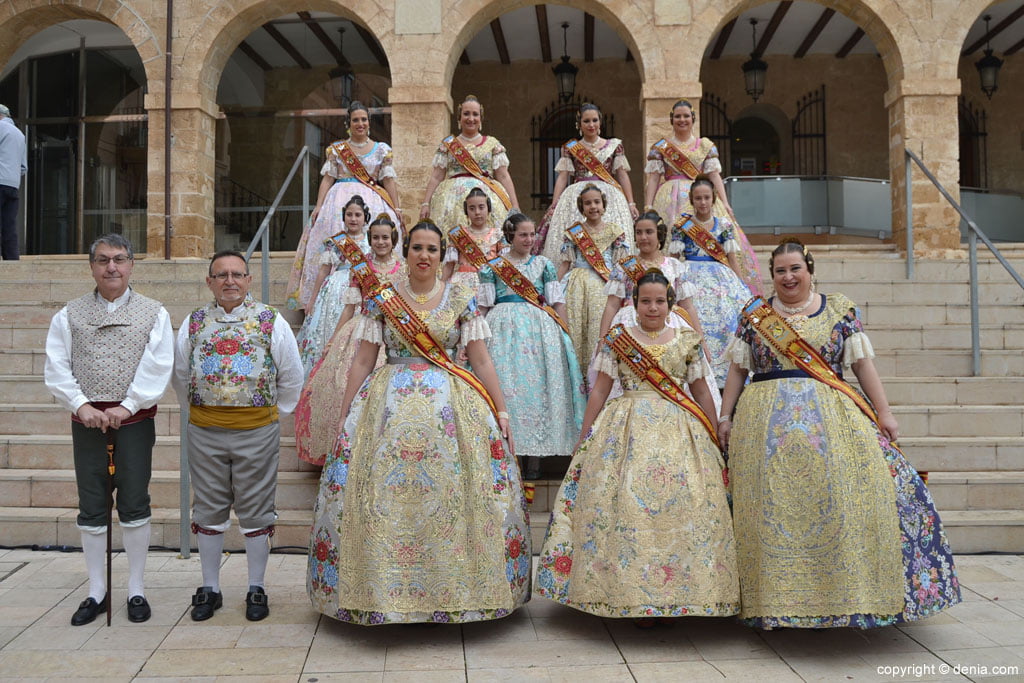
[
  {"x": 973, "y": 145},
  {"x": 810, "y": 144},
  {"x": 715, "y": 125}
]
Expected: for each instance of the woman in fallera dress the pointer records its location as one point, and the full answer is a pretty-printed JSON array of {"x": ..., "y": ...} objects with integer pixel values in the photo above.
[
  {"x": 332, "y": 283},
  {"x": 319, "y": 410},
  {"x": 589, "y": 253},
  {"x": 833, "y": 525},
  {"x": 462, "y": 162},
  {"x": 485, "y": 235},
  {"x": 641, "y": 525},
  {"x": 360, "y": 167},
  {"x": 420, "y": 515},
  {"x": 590, "y": 160},
  {"x": 533, "y": 356}
]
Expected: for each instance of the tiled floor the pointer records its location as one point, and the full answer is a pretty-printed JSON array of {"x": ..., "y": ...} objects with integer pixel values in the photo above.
[{"x": 542, "y": 642}]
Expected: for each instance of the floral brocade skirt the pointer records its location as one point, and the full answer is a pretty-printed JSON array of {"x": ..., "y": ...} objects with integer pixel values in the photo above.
[
  {"x": 584, "y": 305},
  {"x": 641, "y": 526},
  {"x": 565, "y": 214},
  {"x": 721, "y": 296},
  {"x": 420, "y": 515},
  {"x": 319, "y": 326},
  {"x": 446, "y": 208},
  {"x": 833, "y": 525}
]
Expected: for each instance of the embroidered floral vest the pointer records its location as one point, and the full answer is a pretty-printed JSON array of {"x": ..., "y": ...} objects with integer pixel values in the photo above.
[{"x": 231, "y": 363}]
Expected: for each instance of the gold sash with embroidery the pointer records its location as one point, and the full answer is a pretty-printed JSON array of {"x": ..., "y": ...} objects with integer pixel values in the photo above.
[
  {"x": 678, "y": 159},
  {"x": 776, "y": 331},
  {"x": 466, "y": 160},
  {"x": 359, "y": 172},
  {"x": 416, "y": 333},
  {"x": 632, "y": 353},
  {"x": 468, "y": 247},
  {"x": 522, "y": 286},
  {"x": 585, "y": 243},
  {"x": 579, "y": 151},
  {"x": 632, "y": 267},
  {"x": 702, "y": 238},
  {"x": 369, "y": 285}
]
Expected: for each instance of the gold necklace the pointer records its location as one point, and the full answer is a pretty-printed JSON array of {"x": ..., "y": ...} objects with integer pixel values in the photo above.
[
  {"x": 793, "y": 310},
  {"x": 649, "y": 264},
  {"x": 423, "y": 298},
  {"x": 652, "y": 337}
]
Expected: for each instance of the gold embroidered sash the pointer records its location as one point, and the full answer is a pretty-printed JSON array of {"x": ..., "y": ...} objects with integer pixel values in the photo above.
[
  {"x": 776, "y": 331},
  {"x": 702, "y": 238},
  {"x": 678, "y": 159},
  {"x": 417, "y": 335},
  {"x": 633, "y": 354},
  {"x": 468, "y": 247},
  {"x": 359, "y": 172},
  {"x": 466, "y": 160},
  {"x": 585, "y": 243},
  {"x": 579, "y": 151},
  {"x": 522, "y": 286},
  {"x": 632, "y": 267},
  {"x": 368, "y": 282}
]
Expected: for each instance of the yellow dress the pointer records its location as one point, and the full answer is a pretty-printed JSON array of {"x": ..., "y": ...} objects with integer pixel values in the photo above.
[
  {"x": 446, "y": 202},
  {"x": 641, "y": 526}
]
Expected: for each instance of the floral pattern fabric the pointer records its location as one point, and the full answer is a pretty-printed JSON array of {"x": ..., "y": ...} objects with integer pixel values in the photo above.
[{"x": 833, "y": 525}]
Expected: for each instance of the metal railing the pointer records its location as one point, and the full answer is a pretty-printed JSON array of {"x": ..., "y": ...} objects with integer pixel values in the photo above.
[
  {"x": 262, "y": 237},
  {"x": 973, "y": 233}
]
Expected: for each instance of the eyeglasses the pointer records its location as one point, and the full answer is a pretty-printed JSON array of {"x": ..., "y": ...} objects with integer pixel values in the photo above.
[
  {"x": 120, "y": 260},
  {"x": 221, "y": 277}
]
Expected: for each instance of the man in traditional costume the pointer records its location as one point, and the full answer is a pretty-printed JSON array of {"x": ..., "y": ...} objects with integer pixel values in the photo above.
[
  {"x": 109, "y": 356},
  {"x": 237, "y": 366}
]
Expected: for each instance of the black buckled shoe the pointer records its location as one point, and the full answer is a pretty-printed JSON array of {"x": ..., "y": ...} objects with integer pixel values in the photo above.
[
  {"x": 256, "y": 605},
  {"x": 87, "y": 611},
  {"x": 138, "y": 609},
  {"x": 204, "y": 603}
]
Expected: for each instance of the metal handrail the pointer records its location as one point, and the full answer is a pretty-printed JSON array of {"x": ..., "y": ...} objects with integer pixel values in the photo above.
[
  {"x": 263, "y": 236},
  {"x": 973, "y": 233}
]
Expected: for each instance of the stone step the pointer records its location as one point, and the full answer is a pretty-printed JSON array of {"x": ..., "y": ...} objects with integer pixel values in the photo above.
[
  {"x": 884, "y": 315},
  {"x": 969, "y": 531},
  {"x": 953, "y": 390}
]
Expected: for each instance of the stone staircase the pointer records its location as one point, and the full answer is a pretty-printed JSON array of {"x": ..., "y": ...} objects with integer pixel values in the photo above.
[{"x": 967, "y": 432}]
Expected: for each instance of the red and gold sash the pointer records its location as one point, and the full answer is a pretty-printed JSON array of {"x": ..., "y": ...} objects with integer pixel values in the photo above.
[
  {"x": 632, "y": 353},
  {"x": 702, "y": 238},
  {"x": 776, "y": 331},
  {"x": 632, "y": 267},
  {"x": 585, "y": 243},
  {"x": 579, "y": 151},
  {"x": 468, "y": 247},
  {"x": 369, "y": 285},
  {"x": 677, "y": 159},
  {"x": 466, "y": 160},
  {"x": 417, "y": 335},
  {"x": 359, "y": 172},
  {"x": 522, "y": 286}
]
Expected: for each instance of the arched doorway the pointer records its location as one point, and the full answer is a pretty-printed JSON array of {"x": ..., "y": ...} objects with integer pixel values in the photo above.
[
  {"x": 77, "y": 88},
  {"x": 285, "y": 86}
]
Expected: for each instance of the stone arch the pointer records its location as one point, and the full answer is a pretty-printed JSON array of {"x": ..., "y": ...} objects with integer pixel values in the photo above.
[
  {"x": 224, "y": 26},
  {"x": 628, "y": 19},
  {"x": 22, "y": 23}
]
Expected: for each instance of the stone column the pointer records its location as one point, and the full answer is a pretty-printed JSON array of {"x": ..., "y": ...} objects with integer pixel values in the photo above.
[
  {"x": 421, "y": 117},
  {"x": 923, "y": 118},
  {"x": 657, "y": 100}
]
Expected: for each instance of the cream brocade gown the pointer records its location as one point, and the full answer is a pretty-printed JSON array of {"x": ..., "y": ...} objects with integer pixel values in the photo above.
[
  {"x": 446, "y": 203},
  {"x": 641, "y": 526},
  {"x": 420, "y": 515}
]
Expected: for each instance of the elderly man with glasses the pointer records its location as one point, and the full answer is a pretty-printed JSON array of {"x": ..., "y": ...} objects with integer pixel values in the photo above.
[
  {"x": 109, "y": 356},
  {"x": 237, "y": 367}
]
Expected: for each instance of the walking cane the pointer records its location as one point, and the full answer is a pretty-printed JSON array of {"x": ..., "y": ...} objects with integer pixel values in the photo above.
[{"x": 110, "y": 512}]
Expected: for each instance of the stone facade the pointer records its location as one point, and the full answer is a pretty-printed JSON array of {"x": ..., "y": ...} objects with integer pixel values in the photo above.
[{"x": 918, "y": 72}]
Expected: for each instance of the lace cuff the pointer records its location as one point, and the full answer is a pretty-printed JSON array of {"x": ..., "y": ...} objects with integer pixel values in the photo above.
[
  {"x": 697, "y": 368},
  {"x": 676, "y": 247},
  {"x": 485, "y": 294},
  {"x": 451, "y": 255},
  {"x": 386, "y": 171},
  {"x": 368, "y": 329},
  {"x": 475, "y": 329},
  {"x": 621, "y": 163},
  {"x": 655, "y": 166},
  {"x": 856, "y": 347},
  {"x": 327, "y": 168},
  {"x": 738, "y": 352},
  {"x": 499, "y": 160},
  {"x": 685, "y": 290},
  {"x": 615, "y": 288},
  {"x": 440, "y": 159},
  {"x": 564, "y": 165},
  {"x": 554, "y": 293},
  {"x": 731, "y": 246},
  {"x": 329, "y": 258},
  {"x": 712, "y": 165},
  {"x": 605, "y": 362},
  {"x": 352, "y": 295}
]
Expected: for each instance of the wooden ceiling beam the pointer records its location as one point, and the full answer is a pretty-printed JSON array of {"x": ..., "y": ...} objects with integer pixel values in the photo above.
[
  {"x": 999, "y": 28},
  {"x": 499, "y": 41},
  {"x": 588, "y": 37},
  {"x": 256, "y": 57},
  {"x": 372, "y": 45},
  {"x": 851, "y": 43},
  {"x": 542, "y": 30},
  {"x": 773, "y": 26},
  {"x": 321, "y": 35},
  {"x": 1014, "y": 48},
  {"x": 812, "y": 35},
  {"x": 723, "y": 38},
  {"x": 287, "y": 46}
]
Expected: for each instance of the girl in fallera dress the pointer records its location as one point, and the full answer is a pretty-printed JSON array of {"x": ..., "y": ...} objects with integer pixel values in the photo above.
[
  {"x": 316, "y": 429},
  {"x": 360, "y": 167},
  {"x": 420, "y": 516},
  {"x": 720, "y": 291},
  {"x": 533, "y": 356},
  {"x": 833, "y": 526},
  {"x": 331, "y": 284},
  {"x": 485, "y": 234},
  {"x": 641, "y": 525},
  {"x": 486, "y": 167},
  {"x": 584, "y": 285},
  {"x": 590, "y": 160}
]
